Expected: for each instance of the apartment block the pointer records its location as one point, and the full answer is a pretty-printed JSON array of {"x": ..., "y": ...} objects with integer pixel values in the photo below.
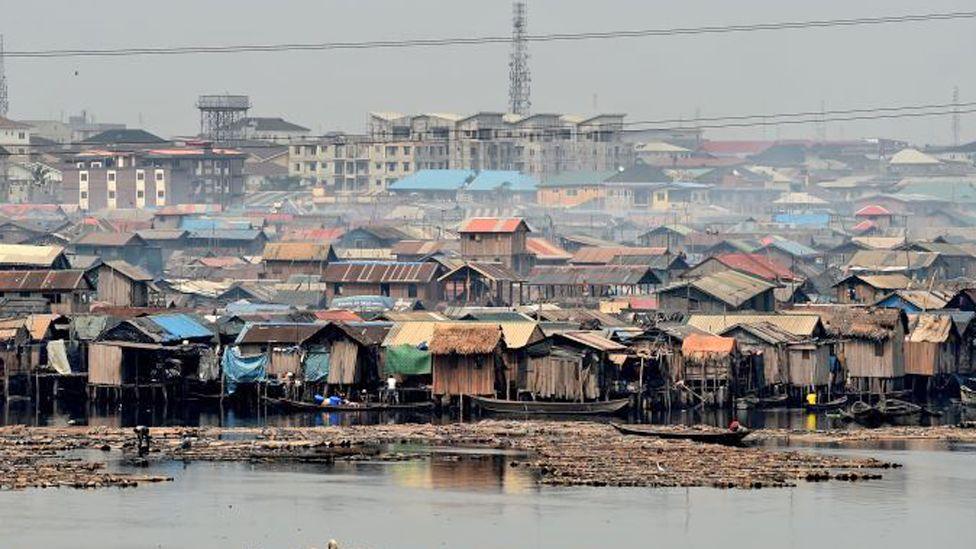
[{"x": 352, "y": 164}]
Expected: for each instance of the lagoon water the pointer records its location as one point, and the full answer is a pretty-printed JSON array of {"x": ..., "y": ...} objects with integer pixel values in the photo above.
[{"x": 477, "y": 500}]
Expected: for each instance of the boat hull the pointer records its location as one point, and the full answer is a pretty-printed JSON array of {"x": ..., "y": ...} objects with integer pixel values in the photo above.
[
  {"x": 297, "y": 406},
  {"x": 498, "y": 406},
  {"x": 725, "y": 438}
]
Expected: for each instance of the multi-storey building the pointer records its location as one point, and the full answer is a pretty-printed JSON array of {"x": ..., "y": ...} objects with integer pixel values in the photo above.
[
  {"x": 102, "y": 179},
  {"x": 396, "y": 145},
  {"x": 540, "y": 145},
  {"x": 352, "y": 164}
]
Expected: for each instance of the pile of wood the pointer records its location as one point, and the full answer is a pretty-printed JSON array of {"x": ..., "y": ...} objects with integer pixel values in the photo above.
[{"x": 561, "y": 453}]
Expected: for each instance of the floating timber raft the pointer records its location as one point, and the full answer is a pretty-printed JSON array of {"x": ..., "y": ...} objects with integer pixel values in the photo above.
[{"x": 560, "y": 453}]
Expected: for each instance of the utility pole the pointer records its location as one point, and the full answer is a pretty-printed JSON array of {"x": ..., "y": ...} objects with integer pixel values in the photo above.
[
  {"x": 519, "y": 80},
  {"x": 4, "y": 100}
]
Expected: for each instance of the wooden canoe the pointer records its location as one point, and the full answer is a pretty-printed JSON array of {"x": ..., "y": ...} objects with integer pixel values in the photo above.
[
  {"x": 824, "y": 406},
  {"x": 299, "y": 406},
  {"x": 967, "y": 396},
  {"x": 761, "y": 403},
  {"x": 608, "y": 407},
  {"x": 725, "y": 438}
]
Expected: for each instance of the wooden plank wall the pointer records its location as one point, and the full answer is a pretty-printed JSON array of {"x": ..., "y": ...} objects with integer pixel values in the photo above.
[
  {"x": 464, "y": 375},
  {"x": 344, "y": 363},
  {"x": 104, "y": 365},
  {"x": 559, "y": 378},
  {"x": 812, "y": 370},
  {"x": 284, "y": 362}
]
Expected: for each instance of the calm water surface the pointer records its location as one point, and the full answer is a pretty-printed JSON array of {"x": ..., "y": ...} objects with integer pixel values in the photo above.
[{"x": 479, "y": 501}]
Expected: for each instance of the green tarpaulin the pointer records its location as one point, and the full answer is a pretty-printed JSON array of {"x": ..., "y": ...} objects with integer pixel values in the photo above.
[
  {"x": 407, "y": 360},
  {"x": 316, "y": 366}
]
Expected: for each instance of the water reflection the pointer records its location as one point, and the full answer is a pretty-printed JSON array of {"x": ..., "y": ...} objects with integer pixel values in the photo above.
[{"x": 60, "y": 413}]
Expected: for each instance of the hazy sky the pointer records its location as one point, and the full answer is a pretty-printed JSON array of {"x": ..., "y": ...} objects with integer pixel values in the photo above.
[{"x": 647, "y": 78}]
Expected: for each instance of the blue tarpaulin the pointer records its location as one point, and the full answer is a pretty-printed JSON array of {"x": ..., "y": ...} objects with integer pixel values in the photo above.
[
  {"x": 242, "y": 369},
  {"x": 180, "y": 326},
  {"x": 316, "y": 365}
]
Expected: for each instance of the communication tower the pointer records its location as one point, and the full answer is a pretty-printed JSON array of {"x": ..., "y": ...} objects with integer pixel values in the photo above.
[{"x": 518, "y": 64}]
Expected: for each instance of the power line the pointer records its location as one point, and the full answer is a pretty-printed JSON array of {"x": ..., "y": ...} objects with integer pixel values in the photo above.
[
  {"x": 877, "y": 114},
  {"x": 467, "y": 41}
]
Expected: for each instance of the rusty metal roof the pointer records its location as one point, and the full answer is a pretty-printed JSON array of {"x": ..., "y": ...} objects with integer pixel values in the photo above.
[
  {"x": 593, "y": 340},
  {"x": 99, "y": 238},
  {"x": 517, "y": 334},
  {"x": 731, "y": 287},
  {"x": 22, "y": 254},
  {"x": 707, "y": 344},
  {"x": 491, "y": 271},
  {"x": 380, "y": 272},
  {"x": 295, "y": 333},
  {"x": 38, "y": 281},
  {"x": 129, "y": 270},
  {"x": 604, "y": 255},
  {"x": 930, "y": 328},
  {"x": 545, "y": 250},
  {"x": 596, "y": 275},
  {"x": 492, "y": 225},
  {"x": 800, "y": 325},
  {"x": 296, "y": 251}
]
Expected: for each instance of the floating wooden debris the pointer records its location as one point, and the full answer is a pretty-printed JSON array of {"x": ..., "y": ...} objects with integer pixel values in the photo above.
[{"x": 561, "y": 453}]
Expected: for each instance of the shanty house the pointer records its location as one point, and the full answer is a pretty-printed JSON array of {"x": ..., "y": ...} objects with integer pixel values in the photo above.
[
  {"x": 282, "y": 259},
  {"x": 123, "y": 285},
  {"x": 917, "y": 265},
  {"x": 869, "y": 343},
  {"x": 573, "y": 366},
  {"x": 708, "y": 366},
  {"x": 669, "y": 237},
  {"x": 64, "y": 292},
  {"x": 23, "y": 257},
  {"x": 389, "y": 279},
  {"x": 497, "y": 240},
  {"x": 475, "y": 283},
  {"x": 155, "y": 352},
  {"x": 724, "y": 291},
  {"x": 466, "y": 359},
  {"x": 578, "y": 282},
  {"x": 868, "y": 289},
  {"x": 128, "y": 247},
  {"x": 932, "y": 347}
]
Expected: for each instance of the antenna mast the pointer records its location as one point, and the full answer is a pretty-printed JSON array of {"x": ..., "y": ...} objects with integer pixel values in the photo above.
[
  {"x": 518, "y": 64},
  {"x": 4, "y": 100}
]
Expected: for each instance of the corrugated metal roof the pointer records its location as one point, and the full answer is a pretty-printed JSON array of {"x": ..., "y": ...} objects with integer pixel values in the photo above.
[
  {"x": 800, "y": 325},
  {"x": 107, "y": 239},
  {"x": 276, "y": 332},
  {"x": 492, "y": 271},
  {"x": 545, "y": 250},
  {"x": 491, "y": 180},
  {"x": 881, "y": 282},
  {"x": 313, "y": 235},
  {"x": 129, "y": 270},
  {"x": 700, "y": 344},
  {"x": 578, "y": 179},
  {"x": 930, "y": 328},
  {"x": 417, "y": 247},
  {"x": 731, "y": 287},
  {"x": 890, "y": 261},
  {"x": 758, "y": 265},
  {"x": 296, "y": 251},
  {"x": 37, "y": 281},
  {"x": 872, "y": 210},
  {"x": 22, "y": 254},
  {"x": 433, "y": 180},
  {"x": 492, "y": 225},
  {"x": 576, "y": 275},
  {"x": 923, "y": 299},
  {"x": 380, "y": 272},
  {"x": 226, "y": 234},
  {"x": 592, "y": 339},
  {"x": 517, "y": 334},
  {"x": 599, "y": 255}
]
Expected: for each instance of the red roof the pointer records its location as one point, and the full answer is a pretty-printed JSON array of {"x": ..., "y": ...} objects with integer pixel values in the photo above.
[
  {"x": 313, "y": 235},
  {"x": 543, "y": 249},
  {"x": 863, "y": 226},
  {"x": 643, "y": 303},
  {"x": 872, "y": 211},
  {"x": 338, "y": 315},
  {"x": 704, "y": 343},
  {"x": 492, "y": 225},
  {"x": 757, "y": 265}
]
